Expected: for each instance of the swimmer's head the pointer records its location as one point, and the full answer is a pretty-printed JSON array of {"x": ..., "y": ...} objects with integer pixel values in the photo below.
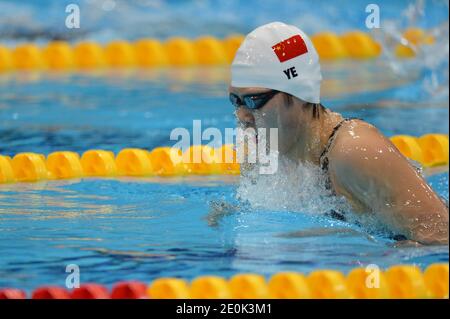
[
  {"x": 281, "y": 57},
  {"x": 278, "y": 68}
]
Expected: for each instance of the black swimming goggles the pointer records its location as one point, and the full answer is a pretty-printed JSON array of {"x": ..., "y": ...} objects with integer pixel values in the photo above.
[{"x": 252, "y": 101}]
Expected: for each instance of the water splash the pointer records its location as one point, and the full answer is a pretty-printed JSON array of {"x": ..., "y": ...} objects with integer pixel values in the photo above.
[
  {"x": 298, "y": 187},
  {"x": 431, "y": 60}
]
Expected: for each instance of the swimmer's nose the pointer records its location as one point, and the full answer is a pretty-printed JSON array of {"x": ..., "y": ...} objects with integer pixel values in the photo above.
[{"x": 246, "y": 117}]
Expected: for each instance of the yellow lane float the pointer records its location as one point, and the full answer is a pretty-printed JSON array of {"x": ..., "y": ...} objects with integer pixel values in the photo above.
[
  {"x": 329, "y": 46},
  {"x": 180, "y": 51},
  {"x": 289, "y": 285},
  {"x": 63, "y": 165},
  {"x": 120, "y": 54},
  {"x": 360, "y": 45},
  {"x": 27, "y": 57},
  {"x": 328, "y": 284},
  {"x": 429, "y": 150},
  {"x": 6, "y": 170},
  {"x": 6, "y": 59},
  {"x": 89, "y": 55},
  {"x": 248, "y": 286},
  {"x": 150, "y": 53},
  {"x": 209, "y": 287},
  {"x": 399, "y": 281},
  {"x": 30, "y": 167},
  {"x": 434, "y": 148},
  {"x": 406, "y": 281},
  {"x": 134, "y": 162},
  {"x": 231, "y": 44},
  {"x": 98, "y": 163},
  {"x": 59, "y": 55},
  {"x": 168, "y": 288},
  {"x": 210, "y": 51},
  {"x": 366, "y": 284},
  {"x": 436, "y": 280},
  {"x": 166, "y": 161},
  {"x": 408, "y": 146}
]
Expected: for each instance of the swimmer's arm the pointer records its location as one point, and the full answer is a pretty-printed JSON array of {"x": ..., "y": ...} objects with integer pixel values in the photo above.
[{"x": 370, "y": 169}]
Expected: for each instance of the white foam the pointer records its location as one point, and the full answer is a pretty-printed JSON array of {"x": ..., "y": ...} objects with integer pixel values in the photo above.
[{"x": 298, "y": 187}]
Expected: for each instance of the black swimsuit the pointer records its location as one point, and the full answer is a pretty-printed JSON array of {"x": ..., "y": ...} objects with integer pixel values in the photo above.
[
  {"x": 324, "y": 162},
  {"x": 323, "y": 159}
]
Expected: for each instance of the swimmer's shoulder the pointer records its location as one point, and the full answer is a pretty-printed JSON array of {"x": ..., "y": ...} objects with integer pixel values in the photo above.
[
  {"x": 363, "y": 158},
  {"x": 351, "y": 170},
  {"x": 357, "y": 139}
]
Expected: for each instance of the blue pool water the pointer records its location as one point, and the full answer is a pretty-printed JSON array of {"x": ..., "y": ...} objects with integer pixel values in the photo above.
[
  {"x": 117, "y": 229},
  {"x": 133, "y": 19}
]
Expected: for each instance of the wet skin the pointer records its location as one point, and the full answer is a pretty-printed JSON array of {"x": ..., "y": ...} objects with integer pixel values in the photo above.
[{"x": 364, "y": 165}]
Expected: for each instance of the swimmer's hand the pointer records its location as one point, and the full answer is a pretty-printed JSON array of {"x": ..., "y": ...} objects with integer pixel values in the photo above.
[{"x": 218, "y": 210}]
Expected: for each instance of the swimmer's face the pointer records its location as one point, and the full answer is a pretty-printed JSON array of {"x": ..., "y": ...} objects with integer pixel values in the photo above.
[{"x": 276, "y": 113}]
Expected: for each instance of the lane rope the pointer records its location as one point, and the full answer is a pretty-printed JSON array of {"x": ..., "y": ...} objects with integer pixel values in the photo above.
[
  {"x": 429, "y": 150},
  {"x": 399, "y": 281},
  {"x": 179, "y": 51}
]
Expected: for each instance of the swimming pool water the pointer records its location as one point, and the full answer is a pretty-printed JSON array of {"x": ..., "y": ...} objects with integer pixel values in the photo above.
[{"x": 145, "y": 228}]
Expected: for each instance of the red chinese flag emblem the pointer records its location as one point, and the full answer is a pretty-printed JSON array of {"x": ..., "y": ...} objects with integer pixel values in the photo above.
[{"x": 290, "y": 48}]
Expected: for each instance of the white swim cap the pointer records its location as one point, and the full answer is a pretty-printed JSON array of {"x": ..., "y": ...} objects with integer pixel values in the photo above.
[{"x": 280, "y": 57}]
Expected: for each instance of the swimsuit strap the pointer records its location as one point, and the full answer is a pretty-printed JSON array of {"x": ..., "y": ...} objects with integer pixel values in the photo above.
[{"x": 323, "y": 159}]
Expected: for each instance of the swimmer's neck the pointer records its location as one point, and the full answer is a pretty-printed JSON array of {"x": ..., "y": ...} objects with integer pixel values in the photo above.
[{"x": 312, "y": 137}]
